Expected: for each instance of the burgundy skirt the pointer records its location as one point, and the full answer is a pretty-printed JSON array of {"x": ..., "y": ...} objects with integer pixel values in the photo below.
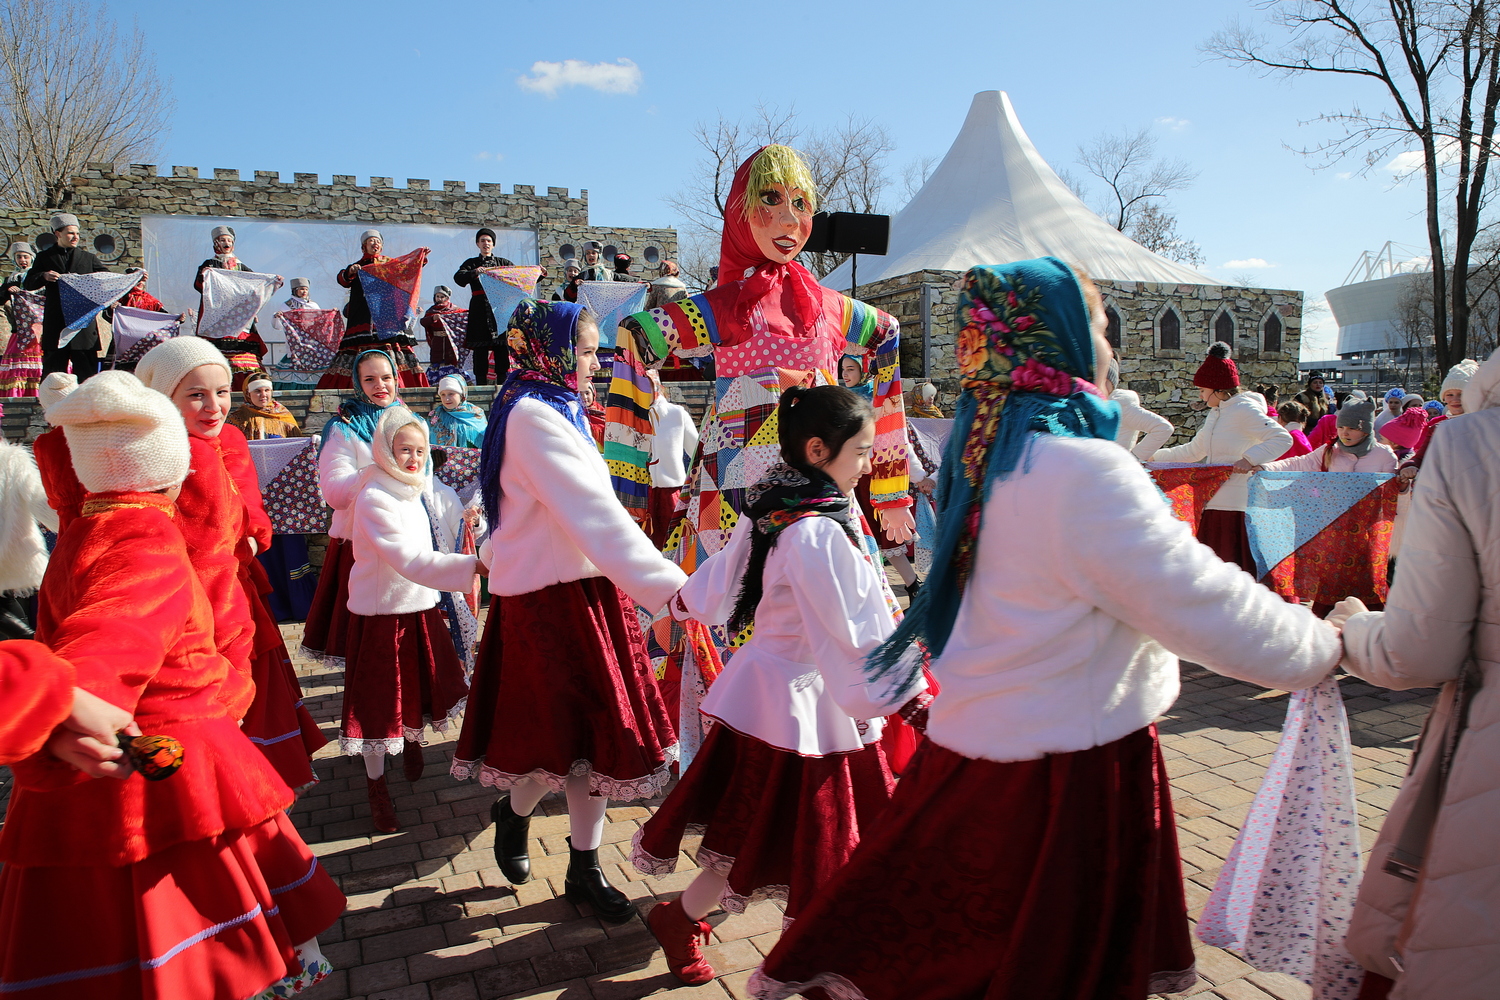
[
  {"x": 777, "y": 824},
  {"x": 215, "y": 917},
  {"x": 661, "y": 514},
  {"x": 562, "y": 685},
  {"x": 400, "y": 675},
  {"x": 277, "y": 721},
  {"x": 1224, "y": 531},
  {"x": 1054, "y": 878},
  {"x": 323, "y": 635}
]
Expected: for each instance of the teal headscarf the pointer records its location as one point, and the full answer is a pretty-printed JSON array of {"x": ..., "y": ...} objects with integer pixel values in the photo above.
[
  {"x": 1026, "y": 360},
  {"x": 358, "y": 416}
]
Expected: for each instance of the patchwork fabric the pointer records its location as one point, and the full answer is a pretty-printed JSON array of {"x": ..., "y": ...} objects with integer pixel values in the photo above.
[
  {"x": 611, "y": 301},
  {"x": 392, "y": 290},
  {"x": 136, "y": 331},
  {"x": 1346, "y": 559},
  {"x": 292, "y": 497},
  {"x": 231, "y": 299},
  {"x": 1287, "y": 509},
  {"x": 312, "y": 337},
  {"x": 507, "y": 287},
  {"x": 85, "y": 296}
]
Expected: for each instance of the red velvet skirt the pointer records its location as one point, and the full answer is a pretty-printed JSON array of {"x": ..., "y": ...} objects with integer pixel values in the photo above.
[
  {"x": 205, "y": 918},
  {"x": 661, "y": 514},
  {"x": 400, "y": 675},
  {"x": 776, "y": 823},
  {"x": 1224, "y": 531},
  {"x": 562, "y": 685},
  {"x": 409, "y": 375},
  {"x": 277, "y": 722},
  {"x": 327, "y": 626},
  {"x": 1055, "y": 878}
]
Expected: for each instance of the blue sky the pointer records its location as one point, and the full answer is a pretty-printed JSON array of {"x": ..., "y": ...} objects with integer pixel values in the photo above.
[{"x": 402, "y": 90}]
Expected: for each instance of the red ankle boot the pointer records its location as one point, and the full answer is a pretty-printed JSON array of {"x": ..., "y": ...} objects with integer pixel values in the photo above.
[
  {"x": 381, "y": 811},
  {"x": 681, "y": 939}
]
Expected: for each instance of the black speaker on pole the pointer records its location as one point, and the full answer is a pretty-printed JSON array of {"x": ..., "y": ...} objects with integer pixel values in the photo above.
[
  {"x": 818, "y": 241},
  {"x": 856, "y": 232}
]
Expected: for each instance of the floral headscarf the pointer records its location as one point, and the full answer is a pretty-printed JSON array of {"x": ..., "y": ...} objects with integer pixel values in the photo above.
[
  {"x": 1025, "y": 358},
  {"x": 543, "y": 367}
]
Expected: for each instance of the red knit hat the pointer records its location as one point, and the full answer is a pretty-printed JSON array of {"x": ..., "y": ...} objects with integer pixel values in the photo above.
[
  {"x": 1218, "y": 370},
  {"x": 1406, "y": 430}
]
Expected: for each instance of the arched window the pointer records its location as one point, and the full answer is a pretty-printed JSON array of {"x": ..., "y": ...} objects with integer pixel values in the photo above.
[
  {"x": 1271, "y": 333},
  {"x": 1224, "y": 328},
  {"x": 1112, "y": 330},
  {"x": 1169, "y": 331}
]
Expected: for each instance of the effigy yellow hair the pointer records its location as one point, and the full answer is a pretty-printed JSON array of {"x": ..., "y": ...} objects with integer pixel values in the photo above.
[{"x": 778, "y": 165}]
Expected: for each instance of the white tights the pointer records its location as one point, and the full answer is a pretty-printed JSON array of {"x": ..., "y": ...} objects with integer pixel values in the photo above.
[
  {"x": 702, "y": 896},
  {"x": 374, "y": 765},
  {"x": 897, "y": 558},
  {"x": 585, "y": 811}
]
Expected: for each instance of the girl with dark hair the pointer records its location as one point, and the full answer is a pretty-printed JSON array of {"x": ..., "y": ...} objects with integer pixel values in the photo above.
[{"x": 793, "y": 771}]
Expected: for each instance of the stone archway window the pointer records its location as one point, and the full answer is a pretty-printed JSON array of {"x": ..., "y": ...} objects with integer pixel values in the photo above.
[
  {"x": 1169, "y": 331},
  {"x": 1112, "y": 326},
  {"x": 1224, "y": 328},
  {"x": 1271, "y": 333}
]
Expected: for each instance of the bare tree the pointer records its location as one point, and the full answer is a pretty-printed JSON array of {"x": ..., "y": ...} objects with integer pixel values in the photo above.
[
  {"x": 847, "y": 163},
  {"x": 74, "y": 89},
  {"x": 1154, "y": 228},
  {"x": 1436, "y": 64},
  {"x": 1133, "y": 176},
  {"x": 915, "y": 174}
]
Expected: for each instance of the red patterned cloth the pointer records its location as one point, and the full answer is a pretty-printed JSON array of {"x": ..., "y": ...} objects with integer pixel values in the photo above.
[
  {"x": 562, "y": 685},
  {"x": 326, "y": 631},
  {"x": 1191, "y": 488},
  {"x": 216, "y": 917},
  {"x": 1057, "y": 877},
  {"x": 1346, "y": 559},
  {"x": 401, "y": 673},
  {"x": 777, "y": 824}
]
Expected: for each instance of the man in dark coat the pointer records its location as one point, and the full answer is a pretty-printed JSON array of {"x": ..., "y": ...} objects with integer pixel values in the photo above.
[
  {"x": 64, "y": 257},
  {"x": 481, "y": 336}
]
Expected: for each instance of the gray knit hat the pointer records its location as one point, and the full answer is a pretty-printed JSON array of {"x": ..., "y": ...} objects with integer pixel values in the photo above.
[
  {"x": 221, "y": 231},
  {"x": 368, "y": 233},
  {"x": 62, "y": 220},
  {"x": 16, "y": 248},
  {"x": 1359, "y": 414},
  {"x": 300, "y": 283},
  {"x": 442, "y": 290}
]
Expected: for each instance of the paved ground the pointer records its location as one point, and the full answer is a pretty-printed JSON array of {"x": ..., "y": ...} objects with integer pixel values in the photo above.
[{"x": 431, "y": 918}]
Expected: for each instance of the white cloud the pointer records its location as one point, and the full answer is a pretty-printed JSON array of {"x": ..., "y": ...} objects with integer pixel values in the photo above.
[
  {"x": 1248, "y": 264},
  {"x": 620, "y": 77},
  {"x": 1175, "y": 124},
  {"x": 1344, "y": 175},
  {"x": 487, "y": 155},
  {"x": 1410, "y": 162}
]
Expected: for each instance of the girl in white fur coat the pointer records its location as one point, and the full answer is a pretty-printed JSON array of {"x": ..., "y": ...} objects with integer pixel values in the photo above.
[
  {"x": 23, "y": 554},
  {"x": 402, "y": 672}
]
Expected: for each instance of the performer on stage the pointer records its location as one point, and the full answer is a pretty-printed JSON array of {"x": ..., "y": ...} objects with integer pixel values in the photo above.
[
  {"x": 191, "y": 886},
  {"x": 563, "y": 697},
  {"x": 441, "y": 352},
  {"x": 64, "y": 257},
  {"x": 225, "y": 524},
  {"x": 243, "y": 350},
  {"x": 1029, "y": 850},
  {"x": 344, "y": 453},
  {"x": 359, "y": 334},
  {"x": 792, "y": 774},
  {"x": 21, "y": 362},
  {"x": 484, "y": 337}
]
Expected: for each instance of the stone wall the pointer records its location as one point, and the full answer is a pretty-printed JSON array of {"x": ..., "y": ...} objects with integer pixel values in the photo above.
[
  {"x": 109, "y": 203},
  {"x": 1162, "y": 377}
]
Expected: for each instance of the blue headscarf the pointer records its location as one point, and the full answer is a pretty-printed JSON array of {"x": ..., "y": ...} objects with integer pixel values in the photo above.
[
  {"x": 358, "y": 416},
  {"x": 1026, "y": 358},
  {"x": 542, "y": 367},
  {"x": 461, "y": 427}
]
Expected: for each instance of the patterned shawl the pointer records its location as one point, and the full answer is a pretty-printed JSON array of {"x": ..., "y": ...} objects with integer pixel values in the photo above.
[
  {"x": 542, "y": 367},
  {"x": 1025, "y": 355}
]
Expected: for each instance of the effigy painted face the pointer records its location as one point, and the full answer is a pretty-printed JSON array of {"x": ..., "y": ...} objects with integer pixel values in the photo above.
[{"x": 781, "y": 222}]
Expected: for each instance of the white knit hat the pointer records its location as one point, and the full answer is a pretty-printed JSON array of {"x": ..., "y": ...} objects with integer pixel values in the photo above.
[
  {"x": 1459, "y": 375},
  {"x": 122, "y": 435},
  {"x": 368, "y": 233},
  {"x": 455, "y": 383},
  {"x": 168, "y": 363},
  {"x": 54, "y": 387}
]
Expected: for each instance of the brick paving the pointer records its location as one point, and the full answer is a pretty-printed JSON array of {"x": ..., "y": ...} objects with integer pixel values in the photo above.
[{"x": 430, "y": 917}]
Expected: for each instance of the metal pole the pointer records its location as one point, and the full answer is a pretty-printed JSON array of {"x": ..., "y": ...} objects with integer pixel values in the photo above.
[
  {"x": 926, "y": 331},
  {"x": 854, "y": 275}
]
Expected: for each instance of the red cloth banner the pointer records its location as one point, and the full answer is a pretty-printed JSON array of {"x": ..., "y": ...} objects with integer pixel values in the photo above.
[
  {"x": 1346, "y": 559},
  {"x": 1190, "y": 488}
]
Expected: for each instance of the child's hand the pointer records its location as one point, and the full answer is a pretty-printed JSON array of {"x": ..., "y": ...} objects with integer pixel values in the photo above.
[
  {"x": 93, "y": 716},
  {"x": 1344, "y": 610},
  {"x": 96, "y": 759}
]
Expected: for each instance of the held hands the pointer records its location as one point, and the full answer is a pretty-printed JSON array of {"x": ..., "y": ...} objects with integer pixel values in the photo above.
[
  {"x": 1244, "y": 466},
  {"x": 86, "y": 738},
  {"x": 1344, "y": 610},
  {"x": 898, "y": 522}
]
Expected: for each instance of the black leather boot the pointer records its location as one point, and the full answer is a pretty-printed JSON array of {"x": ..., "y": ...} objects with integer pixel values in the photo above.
[
  {"x": 586, "y": 884},
  {"x": 512, "y": 841}
]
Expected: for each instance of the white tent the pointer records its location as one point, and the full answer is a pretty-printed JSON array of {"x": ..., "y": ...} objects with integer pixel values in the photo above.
[{"x": 992, "y": 200}]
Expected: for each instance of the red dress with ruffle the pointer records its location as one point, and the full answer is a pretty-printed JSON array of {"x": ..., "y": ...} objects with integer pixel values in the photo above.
[
  {"x": 277, "y": 722},
  {"x": 197, "y": 885}
]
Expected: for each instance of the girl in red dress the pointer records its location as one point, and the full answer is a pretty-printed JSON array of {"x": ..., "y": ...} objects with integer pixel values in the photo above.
[
  {"x": 792, "y": 773},
  {"x": 564, "y": 698},
  {"x": 193, "y": 886},
  {"x": 402, "y": 672},
  {"x": 225, "y": 524}
]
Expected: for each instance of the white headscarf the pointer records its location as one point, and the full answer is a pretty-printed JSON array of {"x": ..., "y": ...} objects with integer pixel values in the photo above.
[
  {"x": 383, "y": 445},
  {"x": 455, "y": 383}
]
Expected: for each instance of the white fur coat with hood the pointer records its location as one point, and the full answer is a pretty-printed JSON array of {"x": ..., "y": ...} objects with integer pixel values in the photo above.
[{"x": 23, "y": 505}]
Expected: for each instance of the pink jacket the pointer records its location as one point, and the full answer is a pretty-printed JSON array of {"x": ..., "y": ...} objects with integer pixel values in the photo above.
[{"x": 1379, "y": 458}]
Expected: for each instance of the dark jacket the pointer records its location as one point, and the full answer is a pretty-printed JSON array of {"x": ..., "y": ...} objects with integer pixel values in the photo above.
[
  {"x": 75, "y": 260},
  {"x": 481, "y": 330}
]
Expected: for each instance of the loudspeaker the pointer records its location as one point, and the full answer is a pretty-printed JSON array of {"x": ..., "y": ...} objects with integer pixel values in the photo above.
[
  {"x": 818, "y": 241},
  {"x": 855, "y": 232}
]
